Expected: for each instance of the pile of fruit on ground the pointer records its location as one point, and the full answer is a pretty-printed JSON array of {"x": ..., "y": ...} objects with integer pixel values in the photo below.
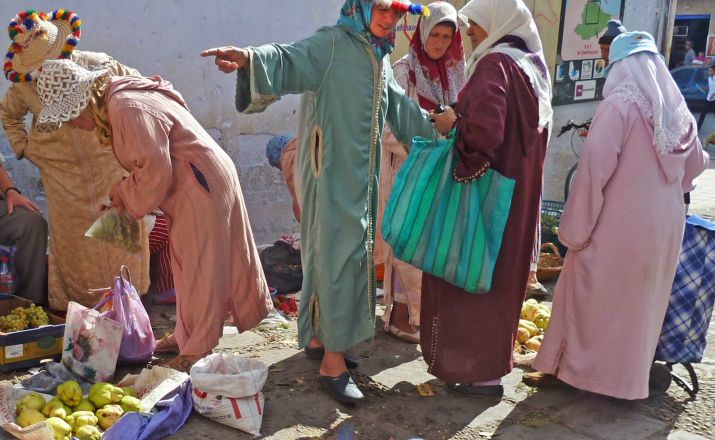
[
  {"x": 532, "y": 325},
  {"x": 70, "y": 413}
]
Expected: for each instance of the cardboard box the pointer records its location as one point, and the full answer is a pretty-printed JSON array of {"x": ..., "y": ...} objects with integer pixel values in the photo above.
[{"x": 27, "y": 348}]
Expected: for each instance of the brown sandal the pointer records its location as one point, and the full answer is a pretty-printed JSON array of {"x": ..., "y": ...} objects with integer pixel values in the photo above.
[
  {"x": 167, "y": 344},
  {"x": 183, "y": 363},
  {"x": 537, "y": 379},
  {"x": 411, "y": 338}
]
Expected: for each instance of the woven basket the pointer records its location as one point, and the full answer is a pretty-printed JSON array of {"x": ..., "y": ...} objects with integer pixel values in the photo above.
[{"x": 550, "y": 262}]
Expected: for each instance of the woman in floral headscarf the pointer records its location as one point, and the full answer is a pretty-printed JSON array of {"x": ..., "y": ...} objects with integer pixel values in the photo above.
[
  {"x": 349, "y": 92},
  {"x": 432, "y": 73}
]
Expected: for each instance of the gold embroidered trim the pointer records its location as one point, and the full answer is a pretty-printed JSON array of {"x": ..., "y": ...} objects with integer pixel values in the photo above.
[
  {"x": 433, "y": 346},
  {"x": 316, "y": 156},
  {"x": 480, "y": 172},
  {"x": 378, "y": 83},
  {"x": 314, "y": 311}
]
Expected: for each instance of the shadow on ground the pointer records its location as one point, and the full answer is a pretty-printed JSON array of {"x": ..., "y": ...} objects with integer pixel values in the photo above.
[{"x": 568, "y": 413}]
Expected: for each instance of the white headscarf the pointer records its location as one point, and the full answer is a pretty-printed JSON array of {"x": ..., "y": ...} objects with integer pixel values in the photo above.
[
  {"x": 500, "y": 18},
  {"x": 643, "y": 79}
]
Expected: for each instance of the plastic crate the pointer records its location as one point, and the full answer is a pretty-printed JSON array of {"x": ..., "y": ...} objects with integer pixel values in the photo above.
[{"x": 550, "y": 217}]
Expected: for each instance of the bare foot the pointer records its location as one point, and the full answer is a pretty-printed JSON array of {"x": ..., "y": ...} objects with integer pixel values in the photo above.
[
  {"x": 333, "y": 364},
  {"x": 532, "y": 278},
  {"x": 315, "y": 343},
  {"x": 400, "y": 318}
]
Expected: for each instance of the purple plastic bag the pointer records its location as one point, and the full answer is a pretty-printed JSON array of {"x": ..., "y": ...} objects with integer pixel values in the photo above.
[{"x": 138, "y": 342}]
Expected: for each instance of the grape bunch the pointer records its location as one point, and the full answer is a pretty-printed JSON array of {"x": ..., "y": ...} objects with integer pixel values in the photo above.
[
  {"x": 12, "y": 323},
  {"x": 37, "y": 316},
  {"x": 22, "y": 318}
]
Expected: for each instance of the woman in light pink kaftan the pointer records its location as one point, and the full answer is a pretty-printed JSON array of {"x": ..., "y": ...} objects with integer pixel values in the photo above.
[
  {"x": 174, "y": 165},
  {"x": 623, "y": 224}
]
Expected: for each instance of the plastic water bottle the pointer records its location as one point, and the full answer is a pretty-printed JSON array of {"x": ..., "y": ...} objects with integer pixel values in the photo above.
[{"x": 7, "y": 276}]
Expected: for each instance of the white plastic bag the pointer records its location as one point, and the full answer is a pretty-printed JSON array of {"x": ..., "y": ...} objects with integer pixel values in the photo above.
[
  {"x": 227, "y": 389},
  {"x": 91, "y": 343}
]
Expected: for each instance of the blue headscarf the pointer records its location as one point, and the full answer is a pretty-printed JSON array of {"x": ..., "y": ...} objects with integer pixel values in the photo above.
[
  {"x": 275, "y": 147},
  {"x": 356, "y": 15},
  {"x": 629, "y": 43}
]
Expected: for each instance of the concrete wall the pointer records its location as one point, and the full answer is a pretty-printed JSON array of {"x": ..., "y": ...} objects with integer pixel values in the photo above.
[{"x": 165, "y": 37}]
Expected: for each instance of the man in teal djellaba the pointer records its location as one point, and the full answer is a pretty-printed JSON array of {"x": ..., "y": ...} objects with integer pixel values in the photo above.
[{"x": 348, "y": 92}]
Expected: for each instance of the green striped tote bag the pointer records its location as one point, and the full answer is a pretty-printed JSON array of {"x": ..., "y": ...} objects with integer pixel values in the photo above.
[{"x": 448, "y": 229}]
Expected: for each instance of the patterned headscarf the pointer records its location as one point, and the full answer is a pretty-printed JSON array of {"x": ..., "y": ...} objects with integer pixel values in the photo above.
[
  {"x": 437, "y": 81},
  {"x": 356, "y": 15},
  {"x": 275, "y": 147}
]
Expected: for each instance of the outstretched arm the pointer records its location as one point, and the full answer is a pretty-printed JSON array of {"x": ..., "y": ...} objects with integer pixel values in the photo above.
[
  {"x": 267, "y": 72},
  {"x": 228, "y": 58}
]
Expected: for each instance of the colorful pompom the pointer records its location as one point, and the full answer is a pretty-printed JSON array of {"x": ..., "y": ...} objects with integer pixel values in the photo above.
[
  {"x": 26, "y": 21},
  {"x": 403, "y": 6},
  {"x": 400, "y": 6}
]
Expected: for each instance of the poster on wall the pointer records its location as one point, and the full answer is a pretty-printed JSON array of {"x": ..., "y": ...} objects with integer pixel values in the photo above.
[
  {"x": 579, "y": 73},
  {"x": 710, "y": 52}
]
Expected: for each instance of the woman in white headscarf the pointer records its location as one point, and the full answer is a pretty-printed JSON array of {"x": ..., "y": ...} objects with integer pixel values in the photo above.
[
  {"x": 502, "y": 122},
  {"x": 623, "y": 225},
  {"x": 432, "y": 73}
]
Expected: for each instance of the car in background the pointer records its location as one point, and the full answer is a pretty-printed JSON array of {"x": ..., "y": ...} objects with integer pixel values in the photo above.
[{"x": 692, "y": 80}]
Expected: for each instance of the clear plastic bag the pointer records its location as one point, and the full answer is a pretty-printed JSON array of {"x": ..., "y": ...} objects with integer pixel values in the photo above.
[{"x": 119, "y": 229}]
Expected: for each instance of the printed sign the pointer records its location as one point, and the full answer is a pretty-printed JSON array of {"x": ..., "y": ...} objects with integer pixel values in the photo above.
[
  {"x": 710, "y": 52},
  {"x": 582, "y": 24},
  {"x": 584, "y": 90}
]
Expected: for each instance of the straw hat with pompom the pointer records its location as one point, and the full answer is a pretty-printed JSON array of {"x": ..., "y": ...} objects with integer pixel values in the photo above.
[{"x": 37, "y": 37}]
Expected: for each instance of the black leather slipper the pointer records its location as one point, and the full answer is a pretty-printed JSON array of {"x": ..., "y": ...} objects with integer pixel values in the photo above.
[{"x": 342, "y": 388}]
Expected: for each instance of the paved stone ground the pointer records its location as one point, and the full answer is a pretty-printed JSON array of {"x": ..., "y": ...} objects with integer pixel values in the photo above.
[{"x": 297, "y": 408}]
